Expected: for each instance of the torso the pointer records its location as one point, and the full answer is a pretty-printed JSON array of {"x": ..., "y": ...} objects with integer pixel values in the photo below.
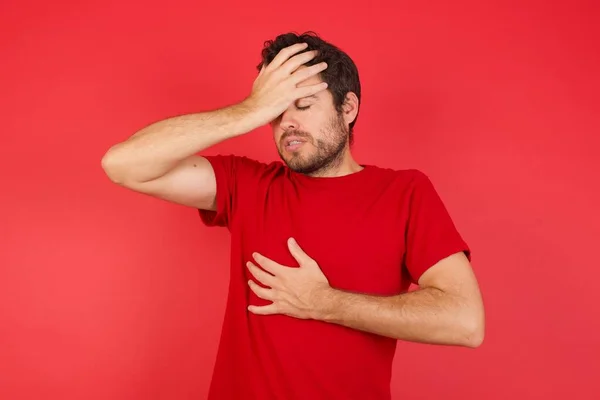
[{"x": 354, "y": 228}]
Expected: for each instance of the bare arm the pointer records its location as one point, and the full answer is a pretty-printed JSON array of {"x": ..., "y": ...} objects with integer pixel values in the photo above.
[
  {"x": 160, "y": 160},
  {"x": 446, "y": 309}
]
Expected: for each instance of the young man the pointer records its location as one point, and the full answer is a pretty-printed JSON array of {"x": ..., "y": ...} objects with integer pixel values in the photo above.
[{"x": 323, "y": 248}]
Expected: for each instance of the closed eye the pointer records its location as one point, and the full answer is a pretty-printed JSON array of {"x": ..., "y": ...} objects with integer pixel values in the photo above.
[{"x": 303, "y": 108}]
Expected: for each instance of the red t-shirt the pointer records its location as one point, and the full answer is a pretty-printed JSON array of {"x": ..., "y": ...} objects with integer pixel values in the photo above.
[{"x": 374, "y": 231}]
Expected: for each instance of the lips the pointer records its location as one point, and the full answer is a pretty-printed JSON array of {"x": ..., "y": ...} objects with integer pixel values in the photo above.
[{"x": 293, "y": 141}]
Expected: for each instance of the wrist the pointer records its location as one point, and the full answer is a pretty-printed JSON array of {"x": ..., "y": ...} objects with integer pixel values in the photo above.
[
  {"x": 240, "y": 120},
  {"x": 327, "y": 304},
  {"x": 253, "y": 114}
]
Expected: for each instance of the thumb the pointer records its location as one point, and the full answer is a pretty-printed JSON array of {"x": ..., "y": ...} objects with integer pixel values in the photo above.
[{"x": 299, "y": 254}]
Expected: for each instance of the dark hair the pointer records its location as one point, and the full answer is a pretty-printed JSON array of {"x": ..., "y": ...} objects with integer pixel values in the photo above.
[{"x": 341, "y": 73}]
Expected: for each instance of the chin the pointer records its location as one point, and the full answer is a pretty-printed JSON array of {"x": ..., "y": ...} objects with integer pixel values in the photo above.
[
  {"x": 291, "y": 156},
  {"x": 303, "y": 167},
  {"x": 295, "y": 163},
  {"x": 301, "y": 160}
]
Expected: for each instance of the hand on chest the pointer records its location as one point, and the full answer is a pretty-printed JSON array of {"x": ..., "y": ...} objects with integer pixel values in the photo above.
[{"x": 356, "y": 252}]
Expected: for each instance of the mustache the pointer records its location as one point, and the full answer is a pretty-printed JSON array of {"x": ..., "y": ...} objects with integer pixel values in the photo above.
[{"x": 297, "y": 133}]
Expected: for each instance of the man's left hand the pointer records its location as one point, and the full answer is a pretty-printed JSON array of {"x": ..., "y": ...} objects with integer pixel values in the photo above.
[{"x": 296, "y": 292}]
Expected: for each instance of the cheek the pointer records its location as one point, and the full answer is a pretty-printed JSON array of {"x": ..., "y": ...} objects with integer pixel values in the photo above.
[
  {"x": 277, "y": 132},
  {"x": 314, "y": 122}
]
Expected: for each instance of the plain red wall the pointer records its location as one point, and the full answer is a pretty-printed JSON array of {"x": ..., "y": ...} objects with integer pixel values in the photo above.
[{"x": 107, "y": 294}]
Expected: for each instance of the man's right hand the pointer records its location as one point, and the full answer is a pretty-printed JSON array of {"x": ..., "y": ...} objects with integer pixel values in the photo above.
[
  {"x": 277, "y": 84},
  {"x": 161, "y": 159}
]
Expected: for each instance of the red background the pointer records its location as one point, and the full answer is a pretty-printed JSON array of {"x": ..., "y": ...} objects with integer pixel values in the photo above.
[{"x": 108, "y": 294}]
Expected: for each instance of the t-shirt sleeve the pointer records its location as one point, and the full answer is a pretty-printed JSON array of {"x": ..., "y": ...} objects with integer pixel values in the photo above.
[
  {"x": 232, "y": 174},
  {"x": 431, "y": 234}
]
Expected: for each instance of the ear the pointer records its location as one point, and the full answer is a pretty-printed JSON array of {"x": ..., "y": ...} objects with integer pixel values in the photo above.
[{"x": 350, "y": 107}]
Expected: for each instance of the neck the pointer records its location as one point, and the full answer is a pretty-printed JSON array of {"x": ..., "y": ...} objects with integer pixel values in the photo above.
[{"x": 343, "y": 165}]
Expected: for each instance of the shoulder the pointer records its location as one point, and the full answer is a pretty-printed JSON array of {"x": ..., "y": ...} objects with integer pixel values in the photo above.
[
  {"x": 243, "y": 163},
  {"x": 243, "y": 168},
  {"x": 409, "y": 178},
  {"x": 411, "y": 188},
  {"x": 407, "y": 174}
]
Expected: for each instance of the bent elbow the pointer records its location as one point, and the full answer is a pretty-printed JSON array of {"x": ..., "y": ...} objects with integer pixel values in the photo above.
[
  {"x": 474, "y": 331},
  {"x": 110, "y": 171},
  {"x": 111, "y": 167},
  {"x": 475, "y": 338}
]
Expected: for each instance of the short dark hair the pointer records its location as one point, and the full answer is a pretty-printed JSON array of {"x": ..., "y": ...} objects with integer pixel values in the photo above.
[{"x": 341, "y": 73}]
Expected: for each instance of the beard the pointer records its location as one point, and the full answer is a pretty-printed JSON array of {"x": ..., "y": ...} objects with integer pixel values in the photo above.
[{"x": 327, "y": 154}]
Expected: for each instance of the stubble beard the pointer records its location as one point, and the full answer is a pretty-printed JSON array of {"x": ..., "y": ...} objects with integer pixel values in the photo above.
[{"x": 326, "y": 153}]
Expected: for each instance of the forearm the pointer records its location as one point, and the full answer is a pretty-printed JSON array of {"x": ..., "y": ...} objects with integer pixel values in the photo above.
[
  {"x": 426, "y": 315},
  {"x": 156, "y": 149}
]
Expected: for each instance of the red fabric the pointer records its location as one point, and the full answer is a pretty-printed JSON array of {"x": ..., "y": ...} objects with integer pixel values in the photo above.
[{"x": 374, "y": 231}]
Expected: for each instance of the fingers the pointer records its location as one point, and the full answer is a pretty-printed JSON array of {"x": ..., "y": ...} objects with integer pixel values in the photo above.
[
  {"x": 304, "y": 90},
  {"x": 305, "y": 73},
  {"x": 309, "y": 90},
  {"x": 298, "y": 253},
  {"x": 267, "y": 264},
  {"x": 261, "y": 292},
  {"x": 293, "y": 63},
  {"x": 264, "y": 310},
  {"x": 260, "y": 275},
  {"x": 285, "y": 54}
]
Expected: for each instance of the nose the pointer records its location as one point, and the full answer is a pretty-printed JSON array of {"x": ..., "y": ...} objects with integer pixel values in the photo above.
[{"x": 288, "y": 121}]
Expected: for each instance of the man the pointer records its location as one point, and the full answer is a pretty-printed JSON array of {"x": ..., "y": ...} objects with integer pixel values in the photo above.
[{"x": 323, "y": 248}]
